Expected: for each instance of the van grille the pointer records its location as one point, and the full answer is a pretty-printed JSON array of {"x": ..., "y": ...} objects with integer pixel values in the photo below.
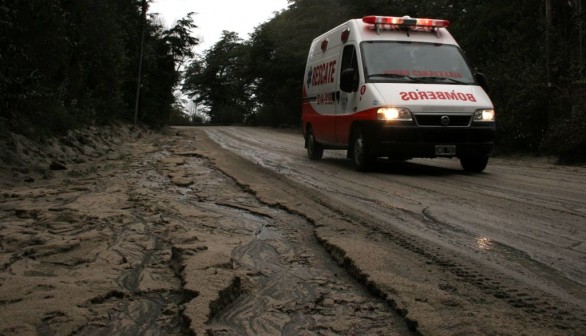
[{"x": 436, "y": 120}]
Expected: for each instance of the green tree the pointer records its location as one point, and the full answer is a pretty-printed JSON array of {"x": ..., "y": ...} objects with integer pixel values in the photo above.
[
  {"x": 164, "y": 55},
  {"x": 278, "y": 52},
  {"x": 66, "y": 64},
  {"x": 34, "y": 52},
  {"x": 181, "y": 41},
  {"x": 97, "y": 61},
  {"x": 218, "y": 80}
]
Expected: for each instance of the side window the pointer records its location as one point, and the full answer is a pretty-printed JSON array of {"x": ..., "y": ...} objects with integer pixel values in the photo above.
[
  {"x": 349, "y": 61},
  {"x": 349, "y": 58}
]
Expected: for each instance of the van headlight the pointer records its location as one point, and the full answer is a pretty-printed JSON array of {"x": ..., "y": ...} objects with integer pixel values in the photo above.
[
  {"x": 394, "y": 114},
  {"x": 484, "y": 115}
]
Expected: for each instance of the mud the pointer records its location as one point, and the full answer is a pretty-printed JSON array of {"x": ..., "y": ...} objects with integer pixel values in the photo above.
[{"x": 151, "y": 238}]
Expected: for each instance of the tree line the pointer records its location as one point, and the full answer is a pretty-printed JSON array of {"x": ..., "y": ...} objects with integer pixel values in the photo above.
[{"x": 70, "y": 63}]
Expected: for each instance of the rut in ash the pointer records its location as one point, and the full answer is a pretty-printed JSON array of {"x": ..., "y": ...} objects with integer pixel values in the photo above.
[{"x": 287, "y": 282}]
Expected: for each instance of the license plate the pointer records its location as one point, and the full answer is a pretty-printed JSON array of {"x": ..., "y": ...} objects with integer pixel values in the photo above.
[{"x": 444, "y": 150}]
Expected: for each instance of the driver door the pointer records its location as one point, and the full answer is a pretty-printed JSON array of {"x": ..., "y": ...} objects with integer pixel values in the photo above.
[{"x": 345, "y": 102}]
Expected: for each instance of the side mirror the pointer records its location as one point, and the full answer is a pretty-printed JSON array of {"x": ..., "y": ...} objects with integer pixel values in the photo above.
[
  {"x": 482, "y": 80},
  {"x": 349, "y": 80}
]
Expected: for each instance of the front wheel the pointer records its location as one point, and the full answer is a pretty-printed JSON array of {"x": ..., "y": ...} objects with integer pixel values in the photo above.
[
  {"x": 315, "y": 151},
  {"x": 361, "y": 156},
  {"x": 474, "y": 164}
]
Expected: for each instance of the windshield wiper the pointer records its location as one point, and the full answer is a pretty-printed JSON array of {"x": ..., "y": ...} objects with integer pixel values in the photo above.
[
  {"x": 442, "y": 78},
  {"x": 393, "y": 75}
]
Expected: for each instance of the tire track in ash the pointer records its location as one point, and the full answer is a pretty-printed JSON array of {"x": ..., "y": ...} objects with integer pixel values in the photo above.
[
  {"x": 538, "y": 305},
  {"x": 478, "y": 245}
]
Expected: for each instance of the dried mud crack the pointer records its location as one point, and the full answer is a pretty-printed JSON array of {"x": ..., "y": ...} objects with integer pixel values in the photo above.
[{"x": 277, "y": 278}]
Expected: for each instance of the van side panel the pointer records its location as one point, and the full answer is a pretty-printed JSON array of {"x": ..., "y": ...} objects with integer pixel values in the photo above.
[{"x": 320, "y": 86}]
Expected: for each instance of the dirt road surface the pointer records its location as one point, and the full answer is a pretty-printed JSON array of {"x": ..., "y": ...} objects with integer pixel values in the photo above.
[{"x": 233, "y": 231}]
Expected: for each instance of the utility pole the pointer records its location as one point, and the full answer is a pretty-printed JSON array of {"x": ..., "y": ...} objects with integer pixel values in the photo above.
[
  {"x": 547, "y": 42},
  {"x": 138, "y": 82},
  {"x": 580, "y": 38}
]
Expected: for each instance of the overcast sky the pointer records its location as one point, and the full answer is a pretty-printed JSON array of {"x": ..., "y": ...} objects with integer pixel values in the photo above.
[{"x": 214, "y": 16}]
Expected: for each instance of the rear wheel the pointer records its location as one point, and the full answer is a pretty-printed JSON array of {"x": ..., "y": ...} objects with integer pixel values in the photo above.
[
  {"x": 474, "y": 164},
  {"x": 362, "y": 158},
  {"x": 315, "y": 151}
]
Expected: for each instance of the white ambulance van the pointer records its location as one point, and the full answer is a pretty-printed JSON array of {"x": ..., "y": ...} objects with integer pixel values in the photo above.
[{"x": 395, "y": 87}]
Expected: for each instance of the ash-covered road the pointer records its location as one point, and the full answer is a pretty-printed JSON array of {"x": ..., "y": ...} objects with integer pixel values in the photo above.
[
  {"x": 477, "y": 253},
  {"x": 233, "y": 231}
]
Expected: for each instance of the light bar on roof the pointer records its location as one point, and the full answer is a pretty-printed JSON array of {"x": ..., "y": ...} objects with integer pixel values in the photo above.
[{"x": 405, "y": 21}]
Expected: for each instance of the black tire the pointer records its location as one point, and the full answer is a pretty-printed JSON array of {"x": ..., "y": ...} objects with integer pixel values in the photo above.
[
  {"x": 315, "y": 151},
  {"x": 361, "y": 156},
  {"x": 474, "y": 164}
]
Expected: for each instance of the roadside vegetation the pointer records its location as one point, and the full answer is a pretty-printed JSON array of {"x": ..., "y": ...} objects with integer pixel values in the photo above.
[{"x": 67, "y": 64}]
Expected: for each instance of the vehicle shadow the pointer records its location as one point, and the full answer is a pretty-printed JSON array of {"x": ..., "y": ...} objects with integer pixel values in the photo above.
[{"x": 404, "y": 168}]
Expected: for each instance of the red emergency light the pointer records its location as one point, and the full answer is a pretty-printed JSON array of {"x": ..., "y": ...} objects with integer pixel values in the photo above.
[{"x": 405, "y": 21}]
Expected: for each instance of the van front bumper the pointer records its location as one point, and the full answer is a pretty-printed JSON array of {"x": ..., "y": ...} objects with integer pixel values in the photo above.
[{"x": 407, "y": 141}]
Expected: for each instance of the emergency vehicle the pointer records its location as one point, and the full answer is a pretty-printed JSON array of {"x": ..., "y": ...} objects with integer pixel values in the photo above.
[{"x": 395, "y": 87}]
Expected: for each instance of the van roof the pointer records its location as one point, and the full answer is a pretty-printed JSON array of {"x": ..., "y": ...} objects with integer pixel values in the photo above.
[{"x": 387, "y": 28}]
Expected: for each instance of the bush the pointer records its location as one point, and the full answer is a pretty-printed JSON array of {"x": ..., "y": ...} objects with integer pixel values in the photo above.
[{"x": 567, "y": 139}]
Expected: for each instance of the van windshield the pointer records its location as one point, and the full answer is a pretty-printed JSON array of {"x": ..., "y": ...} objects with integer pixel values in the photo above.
[{"x": 386, "y": 61}]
